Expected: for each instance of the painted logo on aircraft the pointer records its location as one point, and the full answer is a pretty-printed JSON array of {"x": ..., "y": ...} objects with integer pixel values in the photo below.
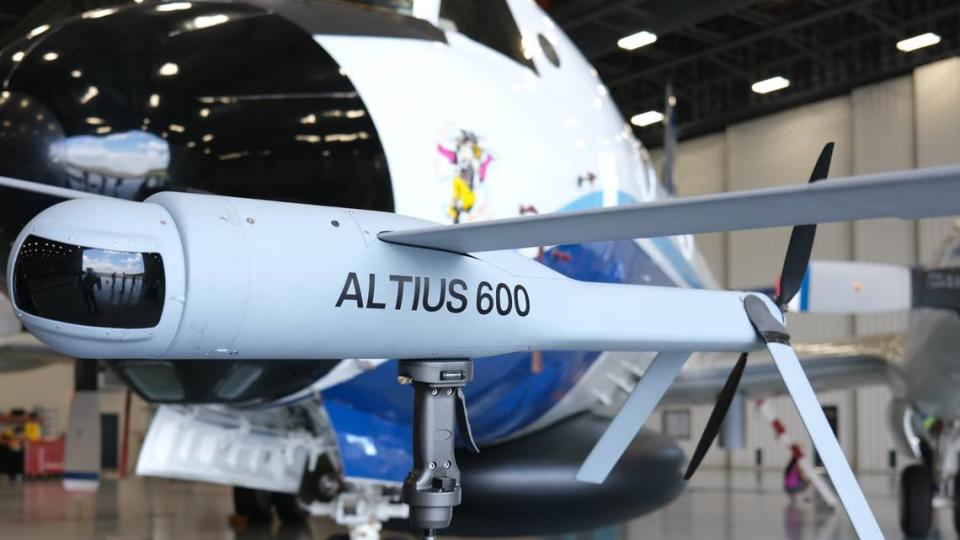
[{"x": 464, "y": 163}]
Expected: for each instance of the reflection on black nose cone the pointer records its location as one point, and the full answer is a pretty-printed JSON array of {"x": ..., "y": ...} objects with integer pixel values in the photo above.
[{"x": 88, "y": 286}]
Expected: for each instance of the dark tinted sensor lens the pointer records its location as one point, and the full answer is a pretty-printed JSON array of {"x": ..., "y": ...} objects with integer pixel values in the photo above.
[{"x": 88, "y": 286}]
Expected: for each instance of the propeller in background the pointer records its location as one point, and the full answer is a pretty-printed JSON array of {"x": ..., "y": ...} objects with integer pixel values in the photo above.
[
  {"x": 791, "y": 278},
  {"x": 665, "y": 367}
]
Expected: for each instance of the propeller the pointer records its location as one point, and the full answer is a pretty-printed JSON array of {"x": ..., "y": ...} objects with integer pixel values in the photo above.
[{"x": 791, "y": 278}]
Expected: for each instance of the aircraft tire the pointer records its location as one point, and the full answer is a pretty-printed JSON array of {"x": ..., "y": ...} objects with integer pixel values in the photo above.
[
  {"x": 916, "y": 498},
  {"x": 956, "y": 503},
  {"x": 254, "y": 504}
]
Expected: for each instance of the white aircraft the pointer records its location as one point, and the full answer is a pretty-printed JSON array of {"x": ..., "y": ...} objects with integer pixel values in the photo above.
[{"x": 428, "y": 112}]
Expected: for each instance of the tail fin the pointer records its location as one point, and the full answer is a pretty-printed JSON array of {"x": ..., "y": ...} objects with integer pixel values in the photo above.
[{"x": 669, "y": 139}]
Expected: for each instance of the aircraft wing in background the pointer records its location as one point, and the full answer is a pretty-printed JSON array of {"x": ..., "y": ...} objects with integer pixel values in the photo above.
[
  {"x": 829, "y": 366},
  {"x": 21, "y": 351}
]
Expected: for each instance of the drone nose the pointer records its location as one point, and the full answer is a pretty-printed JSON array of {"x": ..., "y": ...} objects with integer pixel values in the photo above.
[{"x": 97, "y": 277}]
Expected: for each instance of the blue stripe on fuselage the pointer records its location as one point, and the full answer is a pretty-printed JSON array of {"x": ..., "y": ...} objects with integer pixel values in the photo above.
[{"x": 371, "y": 414}]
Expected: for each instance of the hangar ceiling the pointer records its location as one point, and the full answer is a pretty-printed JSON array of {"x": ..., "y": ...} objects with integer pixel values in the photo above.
[{"x": 713, "y": 51}]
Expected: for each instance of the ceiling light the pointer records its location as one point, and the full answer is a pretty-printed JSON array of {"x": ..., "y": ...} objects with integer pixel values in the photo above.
[
  {"x": 38, "y": 30},
  {"x": 154, "y": 100},
  {"x": 76, "y": 74},
  {"x": 51, "y": 56},
  {"x": 635, "y": 41},
  {"x": 97, "y": 13},
  {"x": 918, "y": 42},
  {"x": 18, "y": 56},
  {"x": 89, "y": 94},
  {"x": 169, "y": 69},
  {"x": 206, "y": 21},
  {"x": 174, "y": 6},
  {"x": 647, "y": 118},
  {"x": 770, "y": 85}
]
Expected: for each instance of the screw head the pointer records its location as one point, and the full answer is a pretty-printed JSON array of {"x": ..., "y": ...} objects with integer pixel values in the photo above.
[
  {"x": 434, "y": 392},
  {"x": 433, "y": 465},
  {"x": 449, "y": 391},
  {"x": 447, "y": 464}
]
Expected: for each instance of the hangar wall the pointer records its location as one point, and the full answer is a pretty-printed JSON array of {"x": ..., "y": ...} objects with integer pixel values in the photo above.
[
  {"x": 911, "y": 121},
  {"x": 51, "y": 387}
]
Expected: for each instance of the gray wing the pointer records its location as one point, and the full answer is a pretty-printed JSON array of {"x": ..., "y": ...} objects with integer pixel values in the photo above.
[
  {"x": 833, "y": 365},
  {"x": 904, "y": 194}
]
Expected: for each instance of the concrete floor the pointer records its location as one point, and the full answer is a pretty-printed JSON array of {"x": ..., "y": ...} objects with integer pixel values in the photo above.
[{"x": 738, "y": 506}]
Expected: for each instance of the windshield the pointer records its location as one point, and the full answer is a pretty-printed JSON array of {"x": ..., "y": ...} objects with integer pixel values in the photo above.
[{"x": 400, "y": 6}]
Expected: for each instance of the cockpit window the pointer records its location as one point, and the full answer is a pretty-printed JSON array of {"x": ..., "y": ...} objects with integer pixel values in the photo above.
[
  {"x": 400, "y": 6},
  {"x": 218, "y": 380},
  {"x": 489, "y": 22},
  {"x": 88, "y": 286},
  {"x": 158, "y": 380}
]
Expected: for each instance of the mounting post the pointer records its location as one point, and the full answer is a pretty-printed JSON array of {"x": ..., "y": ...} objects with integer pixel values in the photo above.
[{"x": 432, "y": 488}]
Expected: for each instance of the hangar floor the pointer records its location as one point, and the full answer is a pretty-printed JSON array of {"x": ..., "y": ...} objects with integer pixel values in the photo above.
[{"x": 718, "y": 506}]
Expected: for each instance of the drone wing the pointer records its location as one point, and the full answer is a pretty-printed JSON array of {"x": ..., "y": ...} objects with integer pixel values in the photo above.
[
  {"x": 903, "y": 194},
  {"x": 47, "y": 189}
]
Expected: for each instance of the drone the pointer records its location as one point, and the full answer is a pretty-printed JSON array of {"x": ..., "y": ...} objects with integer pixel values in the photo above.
[{"x": 243, "y": 278}]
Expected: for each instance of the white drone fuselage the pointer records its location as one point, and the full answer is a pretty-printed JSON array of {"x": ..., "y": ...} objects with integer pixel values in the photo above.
[{"x": 255, "y": 279}]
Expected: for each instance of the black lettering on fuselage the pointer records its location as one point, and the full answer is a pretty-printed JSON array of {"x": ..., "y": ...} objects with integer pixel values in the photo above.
[
  {"x": 401, "y": 281},
  {"x": 457, "y": 295},
  {"x": 506, "y": 299},
  {"x": 371, "y": 304},
  {"x": 416, "y": 293},
  {"x": 351, "y": 283},
  {"x": 426, "y": 295}
]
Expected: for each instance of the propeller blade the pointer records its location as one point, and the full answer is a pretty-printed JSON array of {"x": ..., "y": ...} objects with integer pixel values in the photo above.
[
  {"x": 801, "y": 240},
  {"x": 798, "y": 386},
  {"x": 625, "y": 426},
  {"x": 724, "y": 400}
]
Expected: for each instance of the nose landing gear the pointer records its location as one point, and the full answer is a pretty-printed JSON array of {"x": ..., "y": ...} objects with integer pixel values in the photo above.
[
  {"x": 916, "y": 500},
  {"x": 926, "y": 486},
  {"x": 432, "y": 488}
]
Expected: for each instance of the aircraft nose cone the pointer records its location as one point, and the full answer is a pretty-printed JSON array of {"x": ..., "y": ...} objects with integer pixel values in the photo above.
[
  {"x": 224, "y": 98},
  {"x": 28, "y": 130}
]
